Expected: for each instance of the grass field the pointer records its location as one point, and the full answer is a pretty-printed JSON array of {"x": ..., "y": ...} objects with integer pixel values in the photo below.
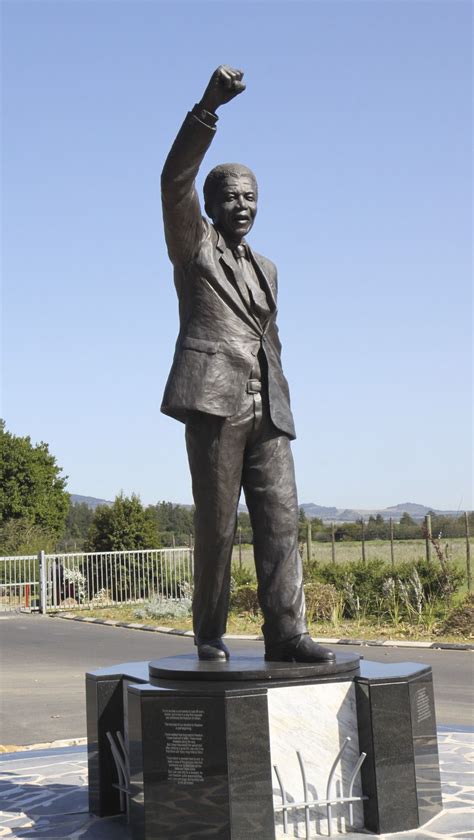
[{"x": 404, "y": 551}]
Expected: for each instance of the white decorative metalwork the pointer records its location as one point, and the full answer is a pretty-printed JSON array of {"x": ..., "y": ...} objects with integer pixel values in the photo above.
[
  {"x": 122, "y": 764},
  {"x": 331, "y": 800}
]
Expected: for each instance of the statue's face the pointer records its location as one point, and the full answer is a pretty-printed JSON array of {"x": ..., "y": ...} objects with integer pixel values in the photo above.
[{"x": 235, "y": 206}]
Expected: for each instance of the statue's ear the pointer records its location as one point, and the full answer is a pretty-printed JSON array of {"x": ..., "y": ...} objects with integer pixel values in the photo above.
[{"x": 207, "y": 211}]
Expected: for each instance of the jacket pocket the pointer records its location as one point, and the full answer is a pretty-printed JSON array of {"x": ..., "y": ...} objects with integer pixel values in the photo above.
[{"x": 202, "y": 345}]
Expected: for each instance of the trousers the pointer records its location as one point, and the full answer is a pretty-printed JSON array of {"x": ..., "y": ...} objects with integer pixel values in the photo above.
[{"x": 225, "y": 455}]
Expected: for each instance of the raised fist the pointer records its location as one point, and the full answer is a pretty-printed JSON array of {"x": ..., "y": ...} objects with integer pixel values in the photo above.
[{"x": 225, "y": 84}]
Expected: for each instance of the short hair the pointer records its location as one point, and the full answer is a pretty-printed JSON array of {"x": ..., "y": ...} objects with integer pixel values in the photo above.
[{"x": 219, "y": 174}]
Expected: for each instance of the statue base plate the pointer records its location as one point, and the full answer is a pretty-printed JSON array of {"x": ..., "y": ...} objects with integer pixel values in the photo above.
[{"x": 248, "y": 667}]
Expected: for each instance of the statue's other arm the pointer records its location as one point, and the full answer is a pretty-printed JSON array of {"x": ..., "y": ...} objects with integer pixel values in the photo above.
[{"x": 181, "y": 209}]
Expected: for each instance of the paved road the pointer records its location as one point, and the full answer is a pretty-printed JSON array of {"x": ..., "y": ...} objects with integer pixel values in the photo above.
[{"x": 44, "y": 659}]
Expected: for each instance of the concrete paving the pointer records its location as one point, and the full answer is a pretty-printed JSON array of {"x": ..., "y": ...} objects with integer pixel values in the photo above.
[{"x": 44, "y": 795}]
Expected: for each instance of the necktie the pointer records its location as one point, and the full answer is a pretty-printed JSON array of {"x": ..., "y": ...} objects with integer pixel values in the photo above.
[{"x": 256, "y": 296}]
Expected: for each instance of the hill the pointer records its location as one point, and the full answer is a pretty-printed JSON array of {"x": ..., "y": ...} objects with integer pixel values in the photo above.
[{"x": 327, "y": 514}]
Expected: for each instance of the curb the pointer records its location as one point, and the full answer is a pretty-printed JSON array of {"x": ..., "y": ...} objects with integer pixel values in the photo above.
[{"x": 109, "y": 622}]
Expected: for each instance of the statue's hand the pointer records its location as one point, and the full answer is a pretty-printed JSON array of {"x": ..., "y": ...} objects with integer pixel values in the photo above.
[{"x": 224, "y": 84}]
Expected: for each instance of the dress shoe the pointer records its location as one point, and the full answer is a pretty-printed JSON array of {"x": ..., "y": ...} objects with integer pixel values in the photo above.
[
  {"x": 299, "y": 649},
  {"x": 215, "y": 650}
]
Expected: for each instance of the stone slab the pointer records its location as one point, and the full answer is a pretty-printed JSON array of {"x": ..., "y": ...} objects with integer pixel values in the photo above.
[{"x": 248, "y": 667}]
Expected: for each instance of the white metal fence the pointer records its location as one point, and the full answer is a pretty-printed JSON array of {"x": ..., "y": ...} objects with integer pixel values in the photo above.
[
  {"x": 19, "y": 583},
  {"x": 85, "y": 580}
]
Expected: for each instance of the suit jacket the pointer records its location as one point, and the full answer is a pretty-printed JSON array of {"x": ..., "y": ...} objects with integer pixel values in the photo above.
[{"x": 219, "y": 336}]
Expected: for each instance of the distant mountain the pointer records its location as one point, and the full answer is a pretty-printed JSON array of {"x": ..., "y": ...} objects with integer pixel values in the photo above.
[
  {"x": 327, "y": 514},
  {"x": 395, "y": 512},
  {"x": 90, "y": 501}
]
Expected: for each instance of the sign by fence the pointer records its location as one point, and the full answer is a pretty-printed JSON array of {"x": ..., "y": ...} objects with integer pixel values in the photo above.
[{"x": 50, "y": 582}]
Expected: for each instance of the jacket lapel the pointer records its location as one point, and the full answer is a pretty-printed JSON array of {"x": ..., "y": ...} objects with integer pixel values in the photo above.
[
  {"x": 227, "y": 262},
  {"x": 258, "y": 264}
]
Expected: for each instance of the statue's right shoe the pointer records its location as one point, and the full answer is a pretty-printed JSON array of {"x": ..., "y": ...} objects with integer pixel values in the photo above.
[
  {"x": 214, "y": 650},
  {"x": 300, "y": 649}
]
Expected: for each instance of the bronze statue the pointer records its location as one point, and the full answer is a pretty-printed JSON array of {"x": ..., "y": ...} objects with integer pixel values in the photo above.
[{"x": 227, "y": 385}]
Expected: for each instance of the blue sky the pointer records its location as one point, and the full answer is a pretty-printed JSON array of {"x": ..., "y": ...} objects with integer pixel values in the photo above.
[{"x": 357, "y": 122}]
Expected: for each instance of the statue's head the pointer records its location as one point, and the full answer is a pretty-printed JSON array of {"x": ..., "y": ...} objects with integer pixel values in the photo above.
[{"x": 230, "y": 199}]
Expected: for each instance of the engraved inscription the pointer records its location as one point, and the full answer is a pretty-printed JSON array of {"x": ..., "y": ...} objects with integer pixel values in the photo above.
[
  {"x": 184, "y": 737},
  {"x": 423, "y": 705}
]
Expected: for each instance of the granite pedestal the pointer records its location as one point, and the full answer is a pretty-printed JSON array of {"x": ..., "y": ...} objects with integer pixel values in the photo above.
[{"x": 250, "y": 750}]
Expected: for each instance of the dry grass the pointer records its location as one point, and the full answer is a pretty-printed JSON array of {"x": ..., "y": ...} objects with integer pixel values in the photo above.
[{"x": 247, "y": 623}]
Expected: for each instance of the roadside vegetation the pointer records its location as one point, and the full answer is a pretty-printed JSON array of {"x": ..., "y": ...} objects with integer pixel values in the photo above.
[{"x": 422, "y": 601}]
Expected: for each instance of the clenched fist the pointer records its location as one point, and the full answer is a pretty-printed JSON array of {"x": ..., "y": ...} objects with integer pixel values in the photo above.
[{"x": 225, "y": 84}]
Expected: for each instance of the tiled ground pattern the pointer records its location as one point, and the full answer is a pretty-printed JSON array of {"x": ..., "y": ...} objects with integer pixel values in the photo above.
[{"x": 44, "y": 795}]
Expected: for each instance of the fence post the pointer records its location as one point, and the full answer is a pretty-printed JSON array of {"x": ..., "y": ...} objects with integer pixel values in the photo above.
[
  {"x": 240, "y": 546},
  {"x": 363, "y": 540},
  {"x": 392, "y": 553},
  {"x": 428, "y": 536},
  {"x": 333, "y": 543},
  {"x": 42, "y": 582},
  {"x": 309, "y": 546},
  {"x": 468, "y": 553}
]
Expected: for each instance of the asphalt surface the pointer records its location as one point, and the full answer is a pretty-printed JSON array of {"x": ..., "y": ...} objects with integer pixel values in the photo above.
[{"x": 44, "y": 659}]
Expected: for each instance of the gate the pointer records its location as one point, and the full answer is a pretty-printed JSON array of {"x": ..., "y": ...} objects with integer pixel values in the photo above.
[{"x": 19, "y": 583}]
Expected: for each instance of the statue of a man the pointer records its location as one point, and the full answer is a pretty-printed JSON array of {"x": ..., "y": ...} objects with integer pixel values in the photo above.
[{"x": 227, "y": 385}]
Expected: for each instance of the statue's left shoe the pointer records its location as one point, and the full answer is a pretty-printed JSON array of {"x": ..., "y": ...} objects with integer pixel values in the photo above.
[{"x": 299, "y": 649}]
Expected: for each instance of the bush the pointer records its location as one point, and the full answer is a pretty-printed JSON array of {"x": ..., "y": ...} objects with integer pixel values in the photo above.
[
  {"x": 460, "y": 619},
  {"x": 367, "y": 588},
  {"x": 242, "y": 576},
  {"x": 245, "y": 599},
  {"x": 321, "y": 600},
  {"x": 165, "y": 608},
  {"x": 359, "y": 584},
  {"x": 437, "y": 583}
]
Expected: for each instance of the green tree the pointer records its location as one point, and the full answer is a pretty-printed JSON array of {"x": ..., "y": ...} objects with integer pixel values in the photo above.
[
  {"x": 123, "y": 526},
  {"x": 78, "y": 523},
  {"x": 33, "y": 497},
  {"x": 172, "y": 521}
]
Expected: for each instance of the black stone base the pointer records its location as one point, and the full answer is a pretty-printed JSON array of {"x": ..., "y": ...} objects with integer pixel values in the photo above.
[
  {"x": 199, "y": 743},
  {"x": 249, "y": 668},
  {"x": 397, "y": 730}
]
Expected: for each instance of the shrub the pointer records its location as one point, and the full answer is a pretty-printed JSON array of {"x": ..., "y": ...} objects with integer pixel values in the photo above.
[
  {"x": 371, "y": 587},
  {"x": 437, "y": 582},
  {"x": 245, "y": 599},
  {"x": 165, "y": 608},
  {"x": 321, "y": 600},
  {"x": 242, "y": 576},
  {"x": 461, "y": 618},
  {"x": 360, "y": 584}
]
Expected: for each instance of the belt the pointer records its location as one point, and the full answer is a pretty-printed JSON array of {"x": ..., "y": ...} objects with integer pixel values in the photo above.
[{"x": 253, "y": 386}]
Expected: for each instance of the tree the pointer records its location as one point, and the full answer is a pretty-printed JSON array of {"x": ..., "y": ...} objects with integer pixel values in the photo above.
[
  {"x": 78, "y": 522},
  {"x": 33, "y": 494},
  {"x": 172, "y": 521},
  {"x": 123, "y": 526}
]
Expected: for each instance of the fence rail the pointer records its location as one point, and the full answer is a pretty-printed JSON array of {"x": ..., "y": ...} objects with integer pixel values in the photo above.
[
  {"x": 92, "y": 579},
  {"x": 19, "y": 583}
]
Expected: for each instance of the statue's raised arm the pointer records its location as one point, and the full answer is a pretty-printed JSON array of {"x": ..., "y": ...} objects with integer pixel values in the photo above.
[{"x": 181, "y": 208}]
